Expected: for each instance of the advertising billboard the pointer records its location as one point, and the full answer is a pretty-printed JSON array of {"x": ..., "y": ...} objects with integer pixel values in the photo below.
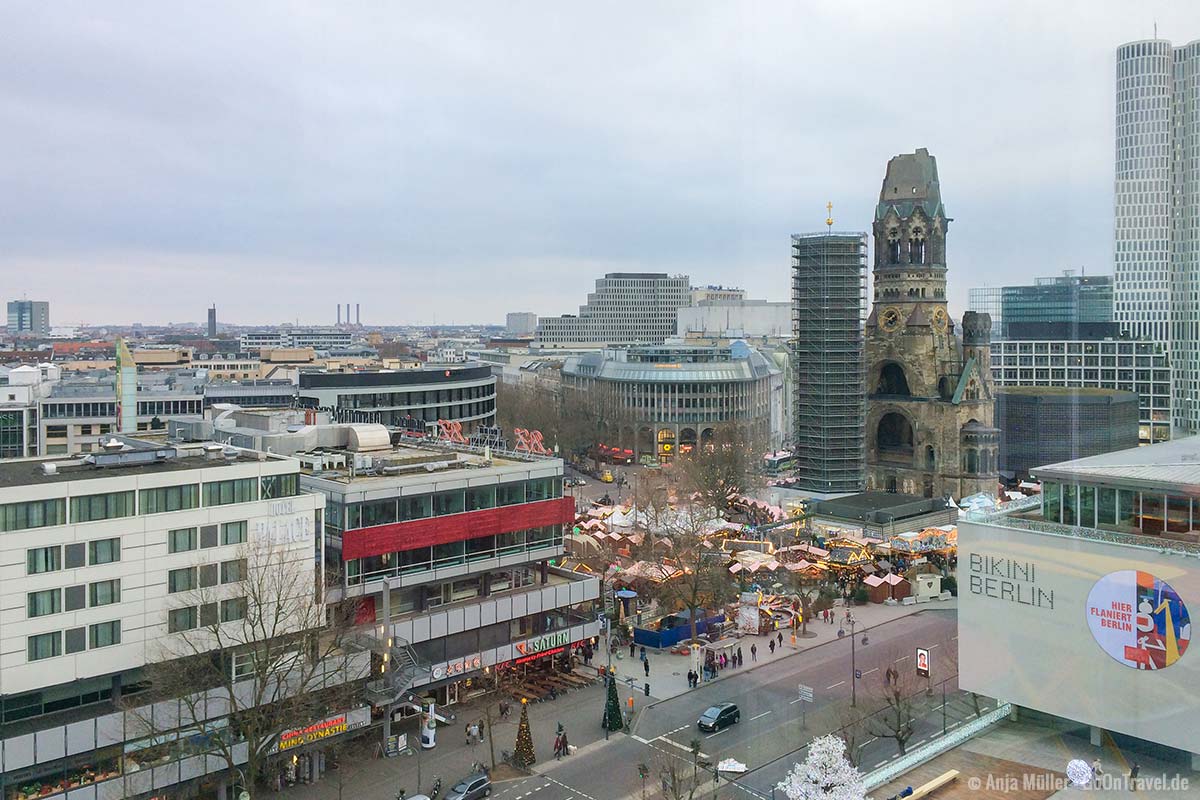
[{"x": 1089, "y": 630}]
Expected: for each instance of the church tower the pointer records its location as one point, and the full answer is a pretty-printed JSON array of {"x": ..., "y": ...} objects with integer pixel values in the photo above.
[{"x": 930, "y": 399}]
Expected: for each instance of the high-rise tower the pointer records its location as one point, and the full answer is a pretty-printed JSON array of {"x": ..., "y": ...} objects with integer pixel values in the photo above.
[
  {"x": 1156, "y": 258},
  {"x": 929, "y": 395}
]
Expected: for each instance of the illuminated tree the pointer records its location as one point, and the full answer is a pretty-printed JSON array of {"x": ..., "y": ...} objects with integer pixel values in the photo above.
[
  {"x": 825, "y": 775},
  {"x": 523, "y": 751}
]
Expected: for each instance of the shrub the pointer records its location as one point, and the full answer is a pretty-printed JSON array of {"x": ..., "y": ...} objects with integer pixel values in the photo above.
[
  {"x": 861, "y": 596},
  {"x": 950, "y": 584}
]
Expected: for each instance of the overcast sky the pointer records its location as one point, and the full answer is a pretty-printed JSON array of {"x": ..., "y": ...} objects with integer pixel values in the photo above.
[{"x": 450, "y": 162}]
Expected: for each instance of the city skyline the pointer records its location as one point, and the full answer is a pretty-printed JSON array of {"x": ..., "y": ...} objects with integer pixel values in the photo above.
[{"x": 260, "y": 161}]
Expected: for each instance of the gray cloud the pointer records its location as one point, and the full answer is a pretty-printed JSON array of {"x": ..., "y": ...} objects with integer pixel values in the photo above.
[{"x": 463, "y": 162}]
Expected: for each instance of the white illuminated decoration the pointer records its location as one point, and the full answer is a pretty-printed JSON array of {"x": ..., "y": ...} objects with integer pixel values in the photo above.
[
  {"x": 825, "y": 775},
  {"x": 1078, "y": 772}
]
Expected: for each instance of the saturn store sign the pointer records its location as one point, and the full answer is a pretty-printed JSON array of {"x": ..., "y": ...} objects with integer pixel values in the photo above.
[
  {"x": 325, "y": 729},
  {"x": 543, "y": 643}
]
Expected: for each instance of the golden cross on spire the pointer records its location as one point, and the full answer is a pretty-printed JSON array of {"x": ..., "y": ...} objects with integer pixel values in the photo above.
[{"x": 829, "y": 210}]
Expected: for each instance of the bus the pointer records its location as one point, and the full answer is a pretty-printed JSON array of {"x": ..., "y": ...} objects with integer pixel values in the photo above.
[
  {"x": 613, "y": 455},
  {"x": 778, "y": 463}
]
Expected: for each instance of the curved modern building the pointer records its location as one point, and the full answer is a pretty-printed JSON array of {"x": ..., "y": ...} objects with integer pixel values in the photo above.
[
  {"x": 464, "y": 393},
  {"x": 671, "y": 398}
]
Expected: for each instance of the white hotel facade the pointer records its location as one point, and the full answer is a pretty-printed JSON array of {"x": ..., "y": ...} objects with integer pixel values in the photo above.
[{"x": 98, "y": 557}]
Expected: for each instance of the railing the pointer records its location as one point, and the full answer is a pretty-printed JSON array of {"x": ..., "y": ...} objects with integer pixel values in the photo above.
[{"x": 404, "y": 668}]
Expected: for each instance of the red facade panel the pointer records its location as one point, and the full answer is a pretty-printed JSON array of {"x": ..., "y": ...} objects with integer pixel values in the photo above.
[{"x": 398, "y": 536}]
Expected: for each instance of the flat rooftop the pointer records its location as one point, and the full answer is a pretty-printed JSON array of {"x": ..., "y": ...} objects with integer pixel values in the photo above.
[
  {"x": 1167, "y": 465},
  {"x": 31, "y": 472},
  {"x": 878, "y": 506},
  {"x": 418, "y": 460}
]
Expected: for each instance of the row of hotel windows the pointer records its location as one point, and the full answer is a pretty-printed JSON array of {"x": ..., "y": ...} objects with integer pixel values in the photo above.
[
  {"x": 39, "y": 560},
  {"x": 114, "y": 505},
  {"x": 49, "y": 645},
  {"x": 458, "y": 501},
  {"x": 203, "y": 576},
  {"x": 206, "y": 615},
  {"x": 50, "y": 601}
]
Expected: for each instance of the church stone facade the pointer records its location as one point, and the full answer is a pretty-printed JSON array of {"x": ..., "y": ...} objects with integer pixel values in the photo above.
[{"x": 930, "y": 397}]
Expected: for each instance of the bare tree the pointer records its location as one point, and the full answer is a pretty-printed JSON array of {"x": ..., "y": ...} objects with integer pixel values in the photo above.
[
  {"x": 680, "y": 779},
  {"x": 897, "y": 695},
  {"x": 723, "y": 468},
  {"x": 695, "y": 577},
  {"x": 853, "y": 730},
  {"x": 253, "y": 644}
]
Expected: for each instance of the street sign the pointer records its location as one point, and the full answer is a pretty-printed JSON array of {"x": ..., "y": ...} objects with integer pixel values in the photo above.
[
  {"x": 858, "y": 673},
  {"x": 806, "y": 693},
  {"x": 923, "y": 662},
  {"x": 396, "y": 743}
]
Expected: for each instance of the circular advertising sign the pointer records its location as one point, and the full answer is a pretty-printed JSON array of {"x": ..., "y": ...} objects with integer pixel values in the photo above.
[{"x": 1138, "y": 619}]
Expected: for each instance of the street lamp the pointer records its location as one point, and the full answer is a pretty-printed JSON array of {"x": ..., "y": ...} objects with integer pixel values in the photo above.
[{"x": 853, "y": 668}]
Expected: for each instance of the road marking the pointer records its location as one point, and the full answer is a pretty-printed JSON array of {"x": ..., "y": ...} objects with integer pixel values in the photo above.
[
  {"x": 711, "y": 735},
  {"x": 955, "y": 724},
  {"x": 933, "y": 646},
  {"x": 640, "y": 739},
  {"x": 677, "y": 730},
  {"x": 570, "y": 789},
  {"x": 880, "y": 764},
  {"x": 901, "y": 658},
  {"x": 793, "y": 702},
  {"x": 760, "y": 716},
  {"x": 839, "y": 683},
  {"x": 682, "y": 747},
  {"x": 868, "y": 672}
]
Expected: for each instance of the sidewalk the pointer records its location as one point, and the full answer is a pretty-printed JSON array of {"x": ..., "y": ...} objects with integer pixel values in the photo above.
[
  {"x": 364, "y": 777},
  {"x": 668, "y": 672}
]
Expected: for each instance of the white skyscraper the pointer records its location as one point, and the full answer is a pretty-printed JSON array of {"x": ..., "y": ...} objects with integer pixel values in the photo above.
[{"x": 1156, "y": 255}]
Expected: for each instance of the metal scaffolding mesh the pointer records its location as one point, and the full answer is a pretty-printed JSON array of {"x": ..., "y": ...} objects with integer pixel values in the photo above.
[{"x": 829, "y": 303}]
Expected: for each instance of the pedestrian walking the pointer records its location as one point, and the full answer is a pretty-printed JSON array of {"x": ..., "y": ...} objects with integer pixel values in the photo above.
[
  {"x": 1096, "y": 769},
  {"x": 467, "y": 733},
  {"x": 646, "y": 664},
  {"x": 632, "y": 649},
  {"x": 781, "y": 638},
  {"x": 479, "y": 727},
  {"x": 1133, "y": 773},
  {"x": 566, "y": 746},
  {"x": 739, "y": 656},
  {"x": 771, "y": 645},
  {"x": 558, "y": 747},
  {"x": 754, "y": 652},
  {"x": 643, "y": 652}
]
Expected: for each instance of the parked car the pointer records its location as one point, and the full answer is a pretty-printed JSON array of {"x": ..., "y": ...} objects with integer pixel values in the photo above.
[
  {"x": 722, "y": 715},
  {"x": 472, "y": 787}
]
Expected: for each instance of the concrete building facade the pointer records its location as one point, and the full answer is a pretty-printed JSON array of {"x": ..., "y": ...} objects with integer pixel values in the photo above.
[{"x": 625, "y": 308}]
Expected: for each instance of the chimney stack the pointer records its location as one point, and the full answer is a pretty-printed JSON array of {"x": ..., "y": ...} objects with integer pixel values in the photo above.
[
  {"x": 339, "y": 305},
  {"x": 357, "y": 317},
  {"x": 347, "y": 313}
]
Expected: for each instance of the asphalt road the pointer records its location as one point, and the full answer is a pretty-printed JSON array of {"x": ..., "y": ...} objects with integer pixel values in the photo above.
[{"x": 771, "y": 726}]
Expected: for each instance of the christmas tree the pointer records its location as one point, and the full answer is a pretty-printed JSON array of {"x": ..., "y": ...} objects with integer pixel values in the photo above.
[
  {"x": 612, "y": 708},
  {"x": 523, "y": 752},
  {"x": 825, "y": 775}
]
